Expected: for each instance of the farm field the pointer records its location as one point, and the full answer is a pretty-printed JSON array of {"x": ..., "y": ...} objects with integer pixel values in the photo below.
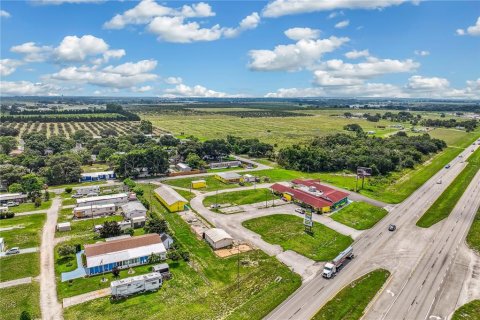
[
  {"x": 442, "y": 207},
  {"x": 19, "y": 266},
  {"x": 350, "y": 303},
  {"x": 15, "y": 300},
  {"x": 26, "y": 233},
  {"x": 211, "y": 278},
  {"x": 359, "y": 215},
  {"x": 469, "y": 311},
  {"x": 473, "y": 236},
  {"x": 289, "y": 232},
  {"x": 240, "y": 197}
]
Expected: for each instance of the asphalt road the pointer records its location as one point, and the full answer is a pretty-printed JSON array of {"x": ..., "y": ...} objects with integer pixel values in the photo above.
[{"x": 407, "y": 253}]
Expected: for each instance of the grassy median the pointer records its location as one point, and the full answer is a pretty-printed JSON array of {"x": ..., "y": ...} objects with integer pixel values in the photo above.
[
  {"x": 288, "y": 231},
  {"x": 350, "y": 303},
  {"x": 359, "y": 215},
  {"x": 442, "y": 207},
  {"x": 469, "y": 311}
]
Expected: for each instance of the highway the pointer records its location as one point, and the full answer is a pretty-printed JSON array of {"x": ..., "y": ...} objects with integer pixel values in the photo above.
[{"x": 418, "y": 259}]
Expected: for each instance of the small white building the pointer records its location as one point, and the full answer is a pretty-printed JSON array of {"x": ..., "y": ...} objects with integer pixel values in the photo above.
[
  {"x": 3, "y": 209},
  {"x": 64, "y": 226},
  {"x": 94, "y": 210},
  {"x": 218, "y": 238},
  {"x": 86, "y": 190},
  {"x": 134, "y": 209},
  {"x": 183, "y": 167},
  {"x": 138, "y": 222},
  {"x": 248, "y": 178},
  {"x": 117, "y": 199}
]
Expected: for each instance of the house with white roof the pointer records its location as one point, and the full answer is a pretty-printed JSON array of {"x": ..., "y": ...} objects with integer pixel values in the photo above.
[{"x": 218, "y": 238}]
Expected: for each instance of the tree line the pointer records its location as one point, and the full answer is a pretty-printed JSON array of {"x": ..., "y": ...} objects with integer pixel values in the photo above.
[{"x": 469, "y": 125}]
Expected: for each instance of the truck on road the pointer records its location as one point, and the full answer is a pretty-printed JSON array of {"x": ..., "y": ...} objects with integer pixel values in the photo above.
[{"x": 331, "y": 268}]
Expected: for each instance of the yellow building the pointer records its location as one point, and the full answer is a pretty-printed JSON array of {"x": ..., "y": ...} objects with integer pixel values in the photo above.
[
  {"x": 198, "y": 184},
  {"x": 229, "y": 177},
  {"x": 171, "y": 199}
]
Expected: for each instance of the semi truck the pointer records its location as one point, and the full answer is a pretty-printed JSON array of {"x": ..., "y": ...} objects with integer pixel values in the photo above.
[
  {"x": 138, "y": 284},
  {"x": 331, "y": 268}
]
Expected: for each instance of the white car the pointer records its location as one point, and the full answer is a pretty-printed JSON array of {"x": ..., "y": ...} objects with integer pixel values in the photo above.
[
  {"x": 215, "y": 206},
  {"x": 300, "y": 210},
  {"x": 12, "y": 204},
  {"x": 13, "y": 250},
  {"x": 76, "y": 195}
]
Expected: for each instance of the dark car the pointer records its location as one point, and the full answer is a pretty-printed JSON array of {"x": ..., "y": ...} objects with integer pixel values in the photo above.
[{"x": 392, "y": 227}]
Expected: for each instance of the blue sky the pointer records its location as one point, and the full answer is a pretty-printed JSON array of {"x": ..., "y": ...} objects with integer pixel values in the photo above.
[{"x": 280, "y": 48}]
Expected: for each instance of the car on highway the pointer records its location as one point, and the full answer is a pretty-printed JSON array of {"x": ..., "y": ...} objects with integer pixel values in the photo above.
[
  {"x": 13, "y": 250},
  {"x": 214, "y": 206},
  {"x": 300, "y": 210},
  {"x": 392, "y": 227},
  {"x": 439, "y": 182},
  {"x": 12, "y": 204},
  {"x": 447, "y": 166}
]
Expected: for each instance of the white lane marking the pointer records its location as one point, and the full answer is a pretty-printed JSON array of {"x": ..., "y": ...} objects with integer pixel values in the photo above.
[{"x": 391, "y": 293}]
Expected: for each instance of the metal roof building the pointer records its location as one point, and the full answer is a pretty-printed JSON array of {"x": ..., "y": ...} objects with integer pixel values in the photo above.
[
  {"x": 170, "y": 198},
  {"x": 218, "y": 238},
  {"x": 119, "y": 198},
  {"x": 134, "y": 209}
]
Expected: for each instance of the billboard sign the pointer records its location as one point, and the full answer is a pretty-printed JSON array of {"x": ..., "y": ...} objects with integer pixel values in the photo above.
[
  {"x": 307, "y": 220},
  {"x": 364, "y": 172}
]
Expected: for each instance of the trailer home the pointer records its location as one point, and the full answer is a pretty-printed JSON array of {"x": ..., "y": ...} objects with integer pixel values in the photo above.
[{"x": 133, "y": 285}]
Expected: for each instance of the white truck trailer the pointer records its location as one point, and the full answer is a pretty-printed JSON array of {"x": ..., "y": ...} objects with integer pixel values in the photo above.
[
  {"x": 331, "y": 268},
  {"x": 133, "y": 285}
]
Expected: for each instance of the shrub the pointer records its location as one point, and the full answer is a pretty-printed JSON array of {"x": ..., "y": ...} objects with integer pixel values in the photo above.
[
  {"x": 7, "y": 215},
  {"x": 66, "y": 250},
  {"x": 37, "y": 202},
  {"x": 25, "y": 316},
  {"x": 68, "y": 189},
  {"x": 173, "y": 255},
  {"x": 129, "y": 231},
  {"x": 185, "y": 256}
]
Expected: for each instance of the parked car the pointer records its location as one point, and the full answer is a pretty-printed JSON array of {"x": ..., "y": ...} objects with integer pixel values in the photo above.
[
  {"x": 392, "y": 227},
  {"x": 76, "y": 195},
  {"x": 12, "y": 204},
  {"x": 215, "y": 206},
  {"x": 439, "y": 182},
  {"x": 300, "y": 210},
  {"x": 13, "y": 250},
  {"x": 92, "y": 194},
  {"x": 447, "y": 166}
]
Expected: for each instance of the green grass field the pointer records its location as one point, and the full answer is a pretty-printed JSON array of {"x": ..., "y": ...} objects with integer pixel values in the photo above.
[
  {"x": 289, "y": 232},
  {"x": 15, "y": 300},
  {"x": 351, "y": 301},
  {"x": 240, "y": 197},
  {"x": 205, "y": 288},
  {"x": 469, "y": 311},
  {"x": 212, "y": 183},
  {"x": 19, "y": 266},
  {"x": 359, "y": 215},
  {"x": 473, "y": 236},
  {"x": 30, "y": 206},
  {"x": 28, "y": 234},
  {"x": 96, "y": 167},
  {"x": 85, "y": 226},
  {"x": 442, "y": 207}
]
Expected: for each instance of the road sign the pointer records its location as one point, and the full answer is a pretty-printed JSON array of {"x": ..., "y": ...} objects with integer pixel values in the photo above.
[
  {"x": 307, "y": 221},
  {"x": 364, "y": 172}
]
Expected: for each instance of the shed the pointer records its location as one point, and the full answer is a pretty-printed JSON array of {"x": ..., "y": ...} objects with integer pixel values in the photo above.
[
  {"x": 218, "y": 238},
  {"x": 161, "y": 268},
  {"x": 64, "y": 226},
  {"x": 166, "y": 240},
  {"x": 96, "y": 176},
  {"x": 249, "y": 178},
  {"x": 134, "y": 209},
  {"x": 183, "y": 167},
  {"x": 197, "y": 184},
  {"x": 170, "y": 198},
  {"x": 229, "y": 177},
  {"x": 138, "y": 222}
]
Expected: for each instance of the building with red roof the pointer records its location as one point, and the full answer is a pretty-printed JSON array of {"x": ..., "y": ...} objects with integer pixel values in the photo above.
[{"x": 313, "y": 194}]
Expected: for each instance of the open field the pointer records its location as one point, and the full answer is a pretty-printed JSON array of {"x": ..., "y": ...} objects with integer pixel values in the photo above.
[
  {"x": 473, "y": 236},
  {"x": 204, "y": 288},
  {"x": 212, "y": 183},
  {"x": 350, "y": 303},
  {"x": 15, "y": 300},
  {"x": 359, "y": 215},
  {"x": 28, "y": 233},
  {"x": 469, "y": 311},
  {"x": 442, "y": 207},
  {"x": 289, "y": 232},
  {"x": 240, "y": 197},
  {"x": 19, "y": 266},
  {"x": 85, "y": 226}
]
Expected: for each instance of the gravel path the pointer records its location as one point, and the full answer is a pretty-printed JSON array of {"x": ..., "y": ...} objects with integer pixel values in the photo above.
[
  {"x": 15, "y": 282},
  {"x": 51, "y": 309}
]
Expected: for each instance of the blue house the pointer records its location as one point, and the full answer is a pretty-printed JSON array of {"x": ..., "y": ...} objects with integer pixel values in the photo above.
[{"x": 96, "y": 176}]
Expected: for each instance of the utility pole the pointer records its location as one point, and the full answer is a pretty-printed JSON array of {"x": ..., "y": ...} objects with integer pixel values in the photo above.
[{"x": 238, "y": 266}]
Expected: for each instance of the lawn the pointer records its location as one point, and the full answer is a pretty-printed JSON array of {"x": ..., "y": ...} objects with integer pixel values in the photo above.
[
  {"x": 186, "y": 194},
  {"x": 473, "y": 236},
  {"x": 85, "y": 226},
  {"x": 205, "y": 288},
  {"x": 69, "y": 201},
  {"x": 26, "y": 237},
  {"x": 442, "y": 207},
  {"x": 350, "y": 303},
  {"x": 289, "y": 232},
  {"x": 212, "y": 183},
  {"x": 469, "y": 311},
  {"x": 15, "y": 300},
  {"x": 80, "y": 184},
  {"x": 30, "y": 206},
  {"x": 240, "y": 197},
  {"x": 359, "y": 215},
  {"x": 96, "y": 167},
  {"x": 19, "y": 266}
]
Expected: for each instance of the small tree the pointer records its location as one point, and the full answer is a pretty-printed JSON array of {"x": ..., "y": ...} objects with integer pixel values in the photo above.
[
  {"x": 15, "y": 188},
  {"x": 25, "y": 315},
  {"x": 129, "y": 231},
  {"x": 156, "y": 225},
  {"x": 46, "y": 195},
  {"x": 153, "y": 258},
  {"x": 37, "y": 202},
  {"x": 185, "y": 256},
  {"x": 116, "y": 272},
  {"x": 129, "y": 183},
  {"x": 68, "y": 189},
  {"x": 173, "y": 255},
  {"x": 110, "y": 229},
  {"x": 138, "y": 191},
  {"x": 66, "y": 250}
]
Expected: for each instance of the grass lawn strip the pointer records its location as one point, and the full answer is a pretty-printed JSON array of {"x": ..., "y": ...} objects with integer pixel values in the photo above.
[
  {"x": 442, "y": 207},
  {"x": 30, "y": 206},
  {"x": 289, "y": 232},
  {"x": 206, "y": 291},
  {"x": 359, "y": 215},
  {"x": 469, "y": 311},
  {"x": 29, "y": 234},
  {"x": 85, "y": 226},
  {"x": 351, "y": 301},
  {"x": 19, "y": 266},
  {"x": 473, "y": 236},
  {"x": 15, "y": 300},
  {"x": 240, "y": 197}
]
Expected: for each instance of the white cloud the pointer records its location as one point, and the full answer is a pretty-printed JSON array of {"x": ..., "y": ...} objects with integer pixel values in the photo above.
[
  {"x": 420, "y": 83},
  {"x": 182, "y": 90},
  {"x": 73, "y": 48},
  {"x": 132, "y": 68},
  {"x": 5, "y": 14},
  {"x": 279, "y": 8},
  {"x": 142, "y": 13},
  {"x": 422, "y": 53},
  {"x": 302, "y": 33},
  {"x": 293, "y": 57},
  {"x": 342, "y": 24},
  {"x": 27, "y": 88},
  {"x": 249, "y": 22},
  {"x": 8, "y": 66},
  {"x": 175, "y": 29},
  {"x": 173, "y": 80},
  {"x": 354, "y": 54},
  {"x": 198, "y": 10},
  {"x": 472, "y": 30},
  {"x": 142, "y": 89},
  {"x": 335, "y": 14},
  {"x": 32, "y": 52}
]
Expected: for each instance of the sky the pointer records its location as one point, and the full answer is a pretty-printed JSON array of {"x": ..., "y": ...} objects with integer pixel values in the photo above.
[{"x": 276, "y": 48}]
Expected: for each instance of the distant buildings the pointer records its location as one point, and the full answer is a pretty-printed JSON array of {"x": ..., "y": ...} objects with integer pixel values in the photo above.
[
  {"x": 225, "y": 164},
  {"x": 182, "y": 167},
  {"x": 96, "y": 176}
]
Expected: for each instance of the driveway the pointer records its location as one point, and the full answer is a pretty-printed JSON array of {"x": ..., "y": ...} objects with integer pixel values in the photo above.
[
  {"x": 51, "y": 309},
  {"x": 16, "y": 282},
  {"x": 22, "y": 251}
]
